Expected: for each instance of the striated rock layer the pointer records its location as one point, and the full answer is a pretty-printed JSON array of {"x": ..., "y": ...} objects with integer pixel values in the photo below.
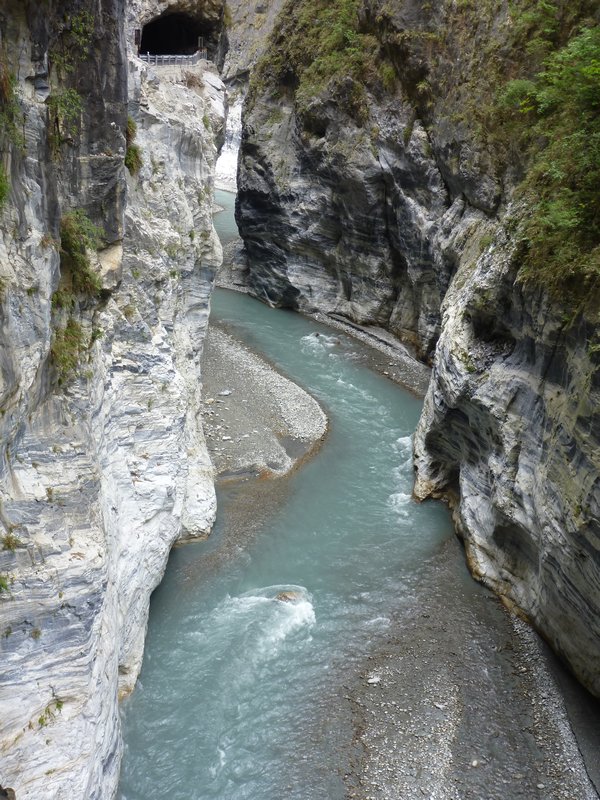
[
  {"x": 511, "y": 433},
  {"x": 382, "y": 193},
  {"x": 104, "y": 468},
  {"x": 354, "y": 202}
]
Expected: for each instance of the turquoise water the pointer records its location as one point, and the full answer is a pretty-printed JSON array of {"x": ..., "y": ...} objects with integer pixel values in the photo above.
[
  {"x": 241, "y": 695},
  {"x": 225, "y": 221}
]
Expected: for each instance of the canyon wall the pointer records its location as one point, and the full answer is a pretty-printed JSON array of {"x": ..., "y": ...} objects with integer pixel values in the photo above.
[
  {"x": 375, "y": 190},
  {"x": 103, "y": 460},
  {"x": 378, "y": 180}
]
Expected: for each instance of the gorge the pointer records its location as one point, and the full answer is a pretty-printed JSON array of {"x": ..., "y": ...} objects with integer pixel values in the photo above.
[{"x": 382, "y": 184}]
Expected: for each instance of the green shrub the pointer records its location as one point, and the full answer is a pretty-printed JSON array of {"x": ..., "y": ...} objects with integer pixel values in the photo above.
[
  {"x": 518, "y": 95},
  {"x": 10, "y": 542},
  {"x": 130, "y": 131},
  {"x": 68, "y": 346},
  {"x": 387, "y": 74},
  {"x": 78, "y": 235},
  {"x": 63, "y": 298},
  {"x": 4, "y": 587},
  {"x": 73, "y": 44},
  {"x": 10, "y": 114},
  {"x": 4, "y": 187},
  {"x": 133, "y": 154},
  {"x": 558, "y": 113},
  {"x": 64, "y": 115},
  {"x": 10, "y": 111},
  {"x": 133, "y": 159},
  {"x": 319, "y": 46}
]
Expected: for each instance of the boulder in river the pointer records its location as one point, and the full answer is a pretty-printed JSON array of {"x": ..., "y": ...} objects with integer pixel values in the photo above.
[{"x": 288, "y": 597}]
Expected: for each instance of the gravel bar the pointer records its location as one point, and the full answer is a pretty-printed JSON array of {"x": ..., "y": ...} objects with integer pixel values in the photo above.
[{"x": 256, "y": 421}]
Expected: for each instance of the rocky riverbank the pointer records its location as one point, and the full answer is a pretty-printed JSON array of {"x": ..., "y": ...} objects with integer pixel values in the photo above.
[
  {"x": 461, "y": 701},
  {"x": 459, "y": 698},
  {"x": 256, "y": 421}
]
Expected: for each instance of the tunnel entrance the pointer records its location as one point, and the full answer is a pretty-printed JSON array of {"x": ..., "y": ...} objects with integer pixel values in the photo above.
[{"x": 178, "y": 34}]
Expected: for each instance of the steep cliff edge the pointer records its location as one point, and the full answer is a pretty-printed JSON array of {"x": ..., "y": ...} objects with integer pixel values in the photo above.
[
  {"x": 510, "y": 433},
  {"x": 354, "y": 198},
  {"x": 104, "y": 464},
  {"x": 377, "y": 181}
]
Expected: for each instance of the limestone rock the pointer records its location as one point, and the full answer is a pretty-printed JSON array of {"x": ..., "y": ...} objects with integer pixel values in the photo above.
[
  {"x": 245, "y": 37},
  {"x": 99, "y": 476},
  {"x": 510, "y": 432},
  {"x": 361, "y": 212}
]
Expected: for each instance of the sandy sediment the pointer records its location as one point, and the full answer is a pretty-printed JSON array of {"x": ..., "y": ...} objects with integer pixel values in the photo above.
[{"x": 256, "y": 421}]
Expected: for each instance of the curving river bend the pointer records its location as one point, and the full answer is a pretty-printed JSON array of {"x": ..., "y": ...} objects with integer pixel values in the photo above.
[{"x": 245, "y": 696}]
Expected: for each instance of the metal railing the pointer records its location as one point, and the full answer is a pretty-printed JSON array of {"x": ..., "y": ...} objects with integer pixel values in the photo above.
[{"x": 175, "y": 60}]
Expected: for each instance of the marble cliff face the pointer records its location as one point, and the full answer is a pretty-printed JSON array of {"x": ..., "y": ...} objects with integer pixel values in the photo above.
[
  {"x": 382, "y": 206},
  {"x": 103, "y": 469},
  {"x": 378, "y": 199}
]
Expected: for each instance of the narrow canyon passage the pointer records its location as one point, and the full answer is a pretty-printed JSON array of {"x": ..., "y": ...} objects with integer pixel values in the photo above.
[
  {"x": 244, "y": 696},
  {"x": 237, "y": 689}
]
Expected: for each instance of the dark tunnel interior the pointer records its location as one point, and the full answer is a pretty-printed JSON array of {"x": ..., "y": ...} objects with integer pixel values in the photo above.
[{"x": 176, "y": 34}]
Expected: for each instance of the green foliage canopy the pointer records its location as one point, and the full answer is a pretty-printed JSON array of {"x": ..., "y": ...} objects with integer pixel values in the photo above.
[
  {"x": 559, "y": 113},
  {"x": 320, "y": 45}
]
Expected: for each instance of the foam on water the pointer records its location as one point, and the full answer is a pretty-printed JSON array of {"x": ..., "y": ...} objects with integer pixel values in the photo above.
[
  {"x": 277, "y": 618},
  {"x": 318, "y": 342},
  {"x": 400, "y": 502},
  {"x": 404, "y": 446},
  {"x": 258, "y": 620}
]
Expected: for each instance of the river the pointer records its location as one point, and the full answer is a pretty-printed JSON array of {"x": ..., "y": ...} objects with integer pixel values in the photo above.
[{"x": 242, "y": 695}]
